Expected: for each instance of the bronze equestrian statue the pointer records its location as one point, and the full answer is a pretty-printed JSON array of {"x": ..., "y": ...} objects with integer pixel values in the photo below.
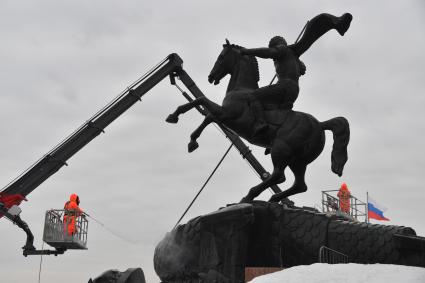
[{"x": 264, "y": 116}]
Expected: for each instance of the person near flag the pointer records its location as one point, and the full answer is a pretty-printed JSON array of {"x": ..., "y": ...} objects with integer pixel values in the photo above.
[{"x": 344, "y": 198}]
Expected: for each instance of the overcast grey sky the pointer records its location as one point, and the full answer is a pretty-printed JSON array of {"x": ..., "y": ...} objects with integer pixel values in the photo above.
[{"x": 61, "y": 61}]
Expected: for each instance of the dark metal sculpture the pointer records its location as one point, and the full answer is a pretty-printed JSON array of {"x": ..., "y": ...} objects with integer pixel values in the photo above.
[
  {"x": 131, "y": 275},
  {"x": 293, "y": 138}
]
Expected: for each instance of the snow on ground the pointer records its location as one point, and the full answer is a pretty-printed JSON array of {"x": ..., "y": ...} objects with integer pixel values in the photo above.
[{"x": 347, "y": 273}]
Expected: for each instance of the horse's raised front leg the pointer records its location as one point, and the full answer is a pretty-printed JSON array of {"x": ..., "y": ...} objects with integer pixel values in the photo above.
[
  {"x": 218, "y": 112},
  {"x": 193, "y": 144},
  {"x": 174, "y": 117}
]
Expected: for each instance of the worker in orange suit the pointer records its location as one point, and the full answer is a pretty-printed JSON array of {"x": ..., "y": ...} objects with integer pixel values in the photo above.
[
  {"x": 344, "y": 198},
  {"x": 72, "y": 211}
]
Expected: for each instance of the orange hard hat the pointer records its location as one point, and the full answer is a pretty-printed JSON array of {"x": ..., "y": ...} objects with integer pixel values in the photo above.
[{"x": 344, "y": 186}]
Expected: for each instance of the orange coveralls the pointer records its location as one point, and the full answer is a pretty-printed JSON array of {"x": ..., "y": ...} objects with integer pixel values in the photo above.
[
  {"x": 344, "y": 198},
  {"x": 72, "y": 211}
]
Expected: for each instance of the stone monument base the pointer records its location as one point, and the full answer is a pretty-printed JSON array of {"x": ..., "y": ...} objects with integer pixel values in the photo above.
[{"x": 220, "y": 245}]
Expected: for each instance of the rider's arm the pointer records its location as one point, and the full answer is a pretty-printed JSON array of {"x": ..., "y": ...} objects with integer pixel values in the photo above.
[{"x": 264, "y": 52}]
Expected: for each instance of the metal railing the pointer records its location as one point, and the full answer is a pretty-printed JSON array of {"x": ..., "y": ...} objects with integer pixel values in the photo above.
[
  {"x": 328, "y": 255},
  {"x": 56, "y": 232},
  {"x": 331, "y": 204}
]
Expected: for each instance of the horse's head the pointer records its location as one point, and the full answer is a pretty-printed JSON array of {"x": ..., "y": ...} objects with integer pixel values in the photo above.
[{"x": 225, "y": 62}]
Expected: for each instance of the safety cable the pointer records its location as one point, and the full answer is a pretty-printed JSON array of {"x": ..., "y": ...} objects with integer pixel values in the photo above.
[
  {"x": 203, "y": 186},
  {"x": 41, "y": 262}
]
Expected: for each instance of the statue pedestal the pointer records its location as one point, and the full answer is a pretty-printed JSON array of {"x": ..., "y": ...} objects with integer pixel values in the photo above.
[{"x": 220, "y": 245}]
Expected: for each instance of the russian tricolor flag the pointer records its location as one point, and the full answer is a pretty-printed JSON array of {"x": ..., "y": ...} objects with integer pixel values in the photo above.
[{"x": 375, "y": 210}]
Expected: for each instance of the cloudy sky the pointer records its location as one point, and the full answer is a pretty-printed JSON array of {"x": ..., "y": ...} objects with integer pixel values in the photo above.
[{"x": 61, "y": 61}]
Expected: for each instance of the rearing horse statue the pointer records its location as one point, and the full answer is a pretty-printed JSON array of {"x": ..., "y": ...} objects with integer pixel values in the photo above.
[{"x": 294, "y": 138}]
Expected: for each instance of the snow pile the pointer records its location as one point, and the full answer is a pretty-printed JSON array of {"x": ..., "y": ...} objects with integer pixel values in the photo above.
[{"x": 347, "y": 273}]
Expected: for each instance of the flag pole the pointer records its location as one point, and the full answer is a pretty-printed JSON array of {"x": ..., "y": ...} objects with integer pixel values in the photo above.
[{"x": 367, "y": 207}]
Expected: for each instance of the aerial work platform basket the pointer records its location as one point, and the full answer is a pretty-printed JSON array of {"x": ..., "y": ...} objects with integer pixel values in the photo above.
[
  {"x": 357, "y": 210},
  {"x": 56, "y": 233}
]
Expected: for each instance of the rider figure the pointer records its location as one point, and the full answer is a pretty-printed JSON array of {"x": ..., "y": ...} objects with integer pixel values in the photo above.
[{"x": 282, "y": 94}]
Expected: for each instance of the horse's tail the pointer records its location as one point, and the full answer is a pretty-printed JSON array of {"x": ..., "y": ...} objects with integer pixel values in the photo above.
[{"x": 341, "y": 134}]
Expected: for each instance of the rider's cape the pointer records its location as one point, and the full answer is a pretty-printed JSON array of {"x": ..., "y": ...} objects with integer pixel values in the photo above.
[{"x": 317, "y": 27}]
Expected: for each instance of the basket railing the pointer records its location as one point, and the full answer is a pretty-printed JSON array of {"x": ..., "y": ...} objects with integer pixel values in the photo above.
[
  {"x": 331, "y": 203},
  {"x": 56, "y": 229}
]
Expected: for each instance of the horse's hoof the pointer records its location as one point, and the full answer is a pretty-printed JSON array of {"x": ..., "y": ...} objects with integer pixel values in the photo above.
[
  {"x": 287, "y": 202},
  {"x": 337, "y": 170},
  {"x": 192, "y": 146},
  {"x": 173, "y": 119}
]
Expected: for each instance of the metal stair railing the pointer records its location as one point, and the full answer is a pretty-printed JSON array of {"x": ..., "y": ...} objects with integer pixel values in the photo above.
[{"x": 328, "y": 255}]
